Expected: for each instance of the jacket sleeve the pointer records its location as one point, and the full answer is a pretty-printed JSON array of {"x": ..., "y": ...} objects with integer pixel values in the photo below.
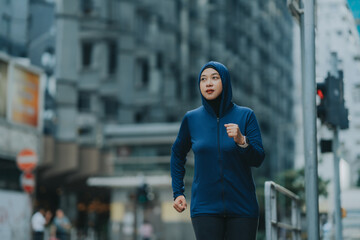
[
  {"x": 254, "y": 154},
  {"x": 179, "y": 151}
]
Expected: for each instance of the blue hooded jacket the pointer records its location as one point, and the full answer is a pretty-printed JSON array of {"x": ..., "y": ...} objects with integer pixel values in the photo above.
[{"x": 223, "y": 183}]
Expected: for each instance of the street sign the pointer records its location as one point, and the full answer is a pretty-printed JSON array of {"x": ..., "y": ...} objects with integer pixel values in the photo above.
[
  {"x": 26, "y": 160},
  {"x": 28, "y": 182}
]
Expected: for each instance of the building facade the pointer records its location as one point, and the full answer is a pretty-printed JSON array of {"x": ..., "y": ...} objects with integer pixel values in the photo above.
[
  {"x": 330, "y": 41},
  {"x": 338, "y": 44},
  {"x": 13, "y": 27}
]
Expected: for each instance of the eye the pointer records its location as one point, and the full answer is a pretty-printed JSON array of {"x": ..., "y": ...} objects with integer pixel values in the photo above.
[
  {"x": 215, "y": 77},
  {"x": 202, "y": 79}
]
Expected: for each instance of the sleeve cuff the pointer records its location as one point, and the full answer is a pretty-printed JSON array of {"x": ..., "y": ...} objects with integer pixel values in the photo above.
[
  {"x": 245, "y": 145},
  {"x": 175, "y": 195}
]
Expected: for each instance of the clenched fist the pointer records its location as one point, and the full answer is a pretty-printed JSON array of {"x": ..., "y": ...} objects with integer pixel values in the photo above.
[
  {"x": 233, "y": 131},
  {"x": 180, "y": 204}
]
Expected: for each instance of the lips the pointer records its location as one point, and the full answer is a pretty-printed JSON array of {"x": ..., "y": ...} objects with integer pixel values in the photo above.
[{"x": 210, "y": 91}]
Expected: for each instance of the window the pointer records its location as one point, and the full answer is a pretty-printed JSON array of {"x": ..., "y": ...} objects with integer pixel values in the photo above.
[
  {"x": 142, "y": 73},
  {"x": 142, "y": 27},
  {"x": 6, "y": 30},
  {"x": 159, "y": 60},
  {"x": 112, "y": 57},
  {"x": 139, "y": 117},
  {"x": 193, "y": 87},
  {"x": 87, "y": 49},
  {"x": 85, "y": 131},
  {"x": 87, "y": 6},
  {"x": 84, "y": 102},
  {"x": 110, "y": 107},
  {"x": 356, "y": 93},
  {"x": 265, "y": 127},
  {"x": 178, "y": 89},
  {"x": 142, "y": 115}
]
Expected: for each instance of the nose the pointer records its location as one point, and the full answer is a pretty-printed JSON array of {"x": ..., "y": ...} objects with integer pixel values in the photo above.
[{"x": 209, "y": 82}]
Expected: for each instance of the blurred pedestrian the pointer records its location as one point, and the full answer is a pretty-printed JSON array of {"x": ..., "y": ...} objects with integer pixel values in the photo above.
[
  {"x": 62, "y": 225},
  {"x": 327, "y": 230},
  {"x": 226, "y": 142},
  {"x": 38, "y": 222},
  {"x": 146, "y": 230}
]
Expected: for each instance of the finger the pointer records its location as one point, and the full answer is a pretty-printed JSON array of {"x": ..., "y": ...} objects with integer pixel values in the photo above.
[
  {"x": 177, "y": 208},
  {"x": 233, "y": 128},
  {"x": 183, "y": 204},
  {"x": 232, "y": 131},
  {"x": 231, "y": 135},
  {"x": 180, "y": 203}
]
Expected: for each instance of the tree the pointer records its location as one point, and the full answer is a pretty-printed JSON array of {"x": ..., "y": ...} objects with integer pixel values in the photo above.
[{"x": 294, "y": 180}]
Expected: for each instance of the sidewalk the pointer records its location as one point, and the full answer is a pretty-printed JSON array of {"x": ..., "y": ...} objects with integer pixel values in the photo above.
[{"x": 350, "y": 201}]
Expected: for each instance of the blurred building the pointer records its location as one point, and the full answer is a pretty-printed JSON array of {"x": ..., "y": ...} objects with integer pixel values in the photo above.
[
  {"x": 20, "y": 129},
  {"x": 125, "y": 74},
  {"x": 13, "y": 27},
  {"x": 20, "y": 118},
  {"x": 338, "y": 43},
  {"x": 341, "y": 40}
]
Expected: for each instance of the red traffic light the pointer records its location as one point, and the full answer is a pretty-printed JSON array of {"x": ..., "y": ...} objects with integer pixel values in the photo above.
[{"x": 320, "y": 94}]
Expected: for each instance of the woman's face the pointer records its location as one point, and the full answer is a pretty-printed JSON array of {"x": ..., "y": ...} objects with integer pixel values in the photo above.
[{"x": 210, "y": 84}]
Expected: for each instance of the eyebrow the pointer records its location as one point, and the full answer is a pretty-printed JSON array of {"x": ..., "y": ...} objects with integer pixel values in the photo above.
[{"x": 203, "y": 75}]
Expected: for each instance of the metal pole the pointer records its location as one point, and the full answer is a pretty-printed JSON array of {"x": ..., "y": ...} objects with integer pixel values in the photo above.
[
  {"x": 270, "y": 211},
  {"x": 337, "y": 191},
  {"x": 309, "y": 117}
]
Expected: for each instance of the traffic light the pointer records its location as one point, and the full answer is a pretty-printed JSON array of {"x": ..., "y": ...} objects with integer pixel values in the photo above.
[
  {"x": 331, "y": 109},
  {"x": 325, "y": 145},
  {"x": 322, "y": 107},
  {"x": 144, "y": 194}
]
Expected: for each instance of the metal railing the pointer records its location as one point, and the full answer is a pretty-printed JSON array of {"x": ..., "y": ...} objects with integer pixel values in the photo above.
[{"x": 272, "y": 224}]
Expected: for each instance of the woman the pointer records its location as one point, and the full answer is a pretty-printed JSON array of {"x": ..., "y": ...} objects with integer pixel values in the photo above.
[
  {"x": 226, "y": 141},
  {"x": 62, "y": 224}
]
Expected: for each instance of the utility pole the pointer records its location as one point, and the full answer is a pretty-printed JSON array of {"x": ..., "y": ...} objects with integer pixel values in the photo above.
[
  {"x": 337, "y": 191},
  {"x": 304, "y": 12}
]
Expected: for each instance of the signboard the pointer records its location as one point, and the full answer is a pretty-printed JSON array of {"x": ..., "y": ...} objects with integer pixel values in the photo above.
[
  {"x": 3, "y": 87},
  {"x": 25, "y": 95},
  {"x": 28, "y": 182},
  {"x": 26, "y": 160}
]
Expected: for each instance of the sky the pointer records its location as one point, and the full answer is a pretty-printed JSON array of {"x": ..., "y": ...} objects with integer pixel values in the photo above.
[{"x": 355, "y": 8}]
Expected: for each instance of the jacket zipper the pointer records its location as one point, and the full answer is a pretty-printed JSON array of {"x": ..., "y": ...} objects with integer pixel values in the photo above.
[{"x": 221, "y": 166}]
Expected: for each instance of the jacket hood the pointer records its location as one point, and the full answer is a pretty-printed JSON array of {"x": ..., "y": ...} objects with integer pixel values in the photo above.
[{"x": 226, "y": 95}]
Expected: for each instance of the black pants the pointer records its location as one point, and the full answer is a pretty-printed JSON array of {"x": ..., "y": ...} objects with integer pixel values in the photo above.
[
  {"x": 62, "y": 235},
  {"x": 38, "y": 235},
  {"x": 220, "y": 228}
]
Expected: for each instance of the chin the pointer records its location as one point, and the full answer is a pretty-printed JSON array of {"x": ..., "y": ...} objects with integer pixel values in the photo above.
[{"x": 210, "y": 98}]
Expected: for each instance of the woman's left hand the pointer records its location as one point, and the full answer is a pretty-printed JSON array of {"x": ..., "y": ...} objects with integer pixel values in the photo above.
[{"x": 233, "y": 131}]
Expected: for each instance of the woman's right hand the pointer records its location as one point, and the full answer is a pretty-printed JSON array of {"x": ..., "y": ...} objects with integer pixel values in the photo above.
[{"x": 180, "y": 204}]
